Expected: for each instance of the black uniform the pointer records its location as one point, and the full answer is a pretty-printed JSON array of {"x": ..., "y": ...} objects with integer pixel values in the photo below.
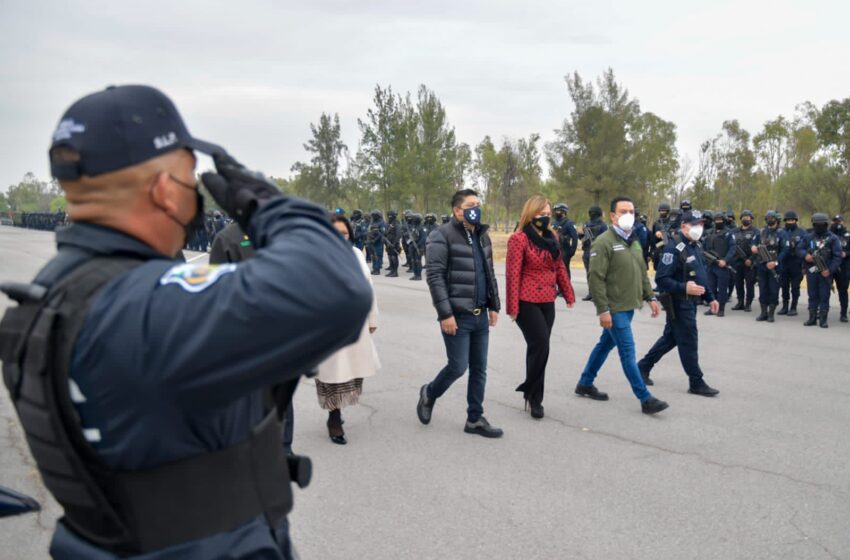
[
  {"x": 593, "y": 228},
  {"x": 392, "y": 239},
  {"x": 842, "y": 277},
  {"x": 745, "y": 276},
  {"x": 791, "y": 275}
]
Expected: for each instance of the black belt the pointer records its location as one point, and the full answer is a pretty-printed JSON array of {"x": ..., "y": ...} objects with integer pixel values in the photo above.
[{"x": 477, "y": 311}]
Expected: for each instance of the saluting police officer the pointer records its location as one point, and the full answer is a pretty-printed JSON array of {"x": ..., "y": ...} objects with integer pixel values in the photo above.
[
  {"x": 721, "y": 245},
  {"x": 842, "y": 277},
  {"x": 745, "y": 278},
  {"x": 683, "y": 275},
  {"x": 821, "y": 251},
  {"x": 791, "y": 275},
  {"x": 772, "y": 241},
  {"x": 140, "y": 381}
]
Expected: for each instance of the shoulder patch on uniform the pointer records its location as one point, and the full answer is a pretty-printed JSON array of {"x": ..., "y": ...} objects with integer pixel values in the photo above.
[
  {"x": 691, "y": 259},
  {"x": 667, "y": 259},
  {"x": 593, "y": 254},
  {"x": 195, "y": 277},
  {"x": 680, "y": 247}
]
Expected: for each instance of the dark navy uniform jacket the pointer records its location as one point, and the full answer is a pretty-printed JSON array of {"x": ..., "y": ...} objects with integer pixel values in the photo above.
[
  {"x": 172, "y": 358},
  {"x": 781, "y": 245},
  {"x": 812, "y": 241},
  {"x": 566, "y": 228},
  {"x": 681, "y": 262}
]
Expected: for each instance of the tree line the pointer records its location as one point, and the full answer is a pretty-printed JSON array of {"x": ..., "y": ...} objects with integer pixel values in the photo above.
[{"x": 408, "y": 156}]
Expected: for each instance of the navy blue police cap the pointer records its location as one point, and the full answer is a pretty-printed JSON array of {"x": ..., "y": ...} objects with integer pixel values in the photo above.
[
  {"x": 119, "y": 127},
  {"x": 692, "y": 217}
]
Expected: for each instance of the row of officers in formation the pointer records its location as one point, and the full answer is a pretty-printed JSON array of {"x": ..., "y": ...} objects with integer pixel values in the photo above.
[{"x": 739, "y": 256}]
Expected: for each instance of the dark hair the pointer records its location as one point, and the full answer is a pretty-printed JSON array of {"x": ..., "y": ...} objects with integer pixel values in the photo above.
[
  {"x": 334, "y": 217},
  {"x": 619, "y": 199},
  {"x": 459, "y": 196}
]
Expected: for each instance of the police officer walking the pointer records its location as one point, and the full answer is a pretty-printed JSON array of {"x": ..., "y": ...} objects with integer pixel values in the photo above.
[
  {"x": 770, "y": 247},
  {"x": 745, "y": 279},
  {"x": 592, "y": 229},
  {"x": 683, "y": 276},
  {"x": 791, "y": 275},
  {"x": 567, "y": 234},
  {"x": 720, "y": 246},
  {"x": 132, "y": 372},
  {"x": 821, "y": 251},
  {"x": 842, "y": 277}
]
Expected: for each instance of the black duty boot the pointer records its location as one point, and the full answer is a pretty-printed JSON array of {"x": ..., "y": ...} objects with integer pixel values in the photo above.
[
  {"x": 708, "y": 312},
  {"x": 824, "y": 315},
  {"x": 416, "y": 277},
  {"x": 763, "y": 315},
  {"x": 392, "y": 274},
  {"x": 588, "y": 297},
  {"x": 748, "y": 307},
  {"x": 738, "y": 306},
  {"x": 722, "y": 311},
  {"x": 813, "y": 318},
  {"x": 792, "y": 311},
  {"x": 843, "y": 316},
  {"x": 770, "y": 311},
  {"x": 784, "y": 310}
]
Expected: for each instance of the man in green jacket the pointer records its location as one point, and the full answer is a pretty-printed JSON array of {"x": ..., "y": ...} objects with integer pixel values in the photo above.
[{"x": 619, "y": 284}]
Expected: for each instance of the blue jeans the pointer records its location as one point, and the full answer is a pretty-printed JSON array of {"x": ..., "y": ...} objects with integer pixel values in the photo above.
[
  {"x": 467, "y": 348},
  {"x": 619, "y": 335}
]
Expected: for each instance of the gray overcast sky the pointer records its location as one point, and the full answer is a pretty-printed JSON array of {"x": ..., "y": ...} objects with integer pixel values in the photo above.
[{"x": 251, "y": 75}]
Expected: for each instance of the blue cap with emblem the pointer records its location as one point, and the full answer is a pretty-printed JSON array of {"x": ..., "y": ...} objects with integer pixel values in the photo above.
[
  {"x": 692, "y": 217},
  {"x": 116, "y": 128}
]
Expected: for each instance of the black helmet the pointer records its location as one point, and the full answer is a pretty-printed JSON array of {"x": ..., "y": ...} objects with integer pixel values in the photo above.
[
  {"x": 392, "y": 215},
  {"x": 708, "y": 215},
  {"x": 685, "y": 205},
  {"x": 377, "y": 215},
  {"x": 595, "y": 212},
  {"x": 791, "y": 215},
  {"x": 407, "y": 212},
  {"x": 415, "y": 219},
  {"x": 747, "y": 212},
  {"x": 838, "y": 218},
  {"x": 820, "y": 218},
  {"x": 771, "y": 215},
  {"x": 664, "y": 207},
  {"x": 445, "y": 218},
  {"x": 561, "y": 206},
  {"x": 430, "y": 218},
  {"x": 356, "y": 214}
]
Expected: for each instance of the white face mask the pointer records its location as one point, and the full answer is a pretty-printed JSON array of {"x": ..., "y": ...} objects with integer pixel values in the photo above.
[
  {"x": 626, "y": 221},
  {"x": 695, "y": 233}
]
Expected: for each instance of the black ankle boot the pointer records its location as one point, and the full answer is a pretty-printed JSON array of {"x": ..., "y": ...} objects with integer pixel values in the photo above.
[
  {"x": 770, "y": 310},
  {"x": 813, "y": 318},
  {"x": 738, "y": 306},
  {"x": 748, "y": 307},
  {"x": 824, "y": 315},
  {"x": 792, "y": 311},
  {"x": 784, "y": 310},
  {"x": 842, "y": 316},
  {"x": 763, "y": 315},
  {"x": 722, "y": 311}
]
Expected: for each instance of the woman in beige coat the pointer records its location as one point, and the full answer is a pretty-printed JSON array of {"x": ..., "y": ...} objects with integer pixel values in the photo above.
[{"x": 340, "y": 379}]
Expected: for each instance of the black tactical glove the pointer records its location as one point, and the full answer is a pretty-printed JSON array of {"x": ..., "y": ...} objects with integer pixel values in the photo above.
[{"x": 237, "y": 190}]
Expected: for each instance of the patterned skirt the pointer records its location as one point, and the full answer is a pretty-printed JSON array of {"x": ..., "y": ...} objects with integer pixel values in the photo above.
[{"x": 334, "y": 396}]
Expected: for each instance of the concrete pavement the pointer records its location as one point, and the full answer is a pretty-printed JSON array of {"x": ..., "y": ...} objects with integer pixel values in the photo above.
[{"x": 761, "y": 472}]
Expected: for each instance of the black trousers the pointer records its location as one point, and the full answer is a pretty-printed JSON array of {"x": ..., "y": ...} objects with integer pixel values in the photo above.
[
  {"x": 745, "y": 278},
  {"x": 567, "y": 260},
  {"x": 842, "y": 283},
  {"x": 535, "y": 320}
]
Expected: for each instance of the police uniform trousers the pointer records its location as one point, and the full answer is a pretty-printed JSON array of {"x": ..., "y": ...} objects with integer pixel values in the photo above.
[
  {"x": 680, "y": 333},
  {"x": 768, "y": 285},
  {"x": 842, "y": 282},
  {"x": 818, "y": 288},
  {"x": 718, "y": 281},
  {"x": 567, "y": 264},
  {"x": 377, "y": 255},
  {"x": 392, "y": 255},
  {"x": 415, "y": 259},
  {"x": 790, "y": 279},
  {"x": 585, "y": 258},
  {"x": 745, "y": 282}
]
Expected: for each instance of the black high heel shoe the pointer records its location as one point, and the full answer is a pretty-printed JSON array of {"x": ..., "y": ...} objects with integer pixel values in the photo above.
[{"x": 335, "y": 431}]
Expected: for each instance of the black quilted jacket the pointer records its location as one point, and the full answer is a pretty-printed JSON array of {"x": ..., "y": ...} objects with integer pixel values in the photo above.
[{"x": 451, "y": 270}]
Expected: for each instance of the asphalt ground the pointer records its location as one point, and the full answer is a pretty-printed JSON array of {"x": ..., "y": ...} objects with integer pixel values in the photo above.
[{"x": 760, "y": 472}]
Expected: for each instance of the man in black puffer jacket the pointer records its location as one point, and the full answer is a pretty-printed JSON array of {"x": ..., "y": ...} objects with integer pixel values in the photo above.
[{"x": 466, "y": 297}]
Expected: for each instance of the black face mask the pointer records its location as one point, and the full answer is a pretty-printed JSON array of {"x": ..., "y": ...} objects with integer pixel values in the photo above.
[
  {"x": 560, "y": 215},
  {"x": 663, "y": 214},
  {"x": 820, "y": 228},
  {"x": 790, "y": 226},
  {"x": 541, "y": 222},
  {"x": 719, "y": 225},
  {"x": 746, "y": 221},
  {"x": 771, "y": 223}
]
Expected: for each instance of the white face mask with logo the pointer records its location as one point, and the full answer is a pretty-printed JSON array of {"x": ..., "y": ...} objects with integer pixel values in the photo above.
[
  {"x": 695, "y": 232},
  {"x": 626, "y": 222}
]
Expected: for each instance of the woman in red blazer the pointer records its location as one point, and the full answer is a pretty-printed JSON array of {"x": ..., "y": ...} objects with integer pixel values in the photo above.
[{"x": 534, "y": 269}]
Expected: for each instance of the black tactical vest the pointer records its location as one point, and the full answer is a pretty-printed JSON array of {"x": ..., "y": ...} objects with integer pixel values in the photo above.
[{"x": 129, "y": 512}]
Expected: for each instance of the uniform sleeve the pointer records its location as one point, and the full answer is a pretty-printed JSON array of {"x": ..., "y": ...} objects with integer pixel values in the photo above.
[
  {"x": 803, "y": 247},
  {"x": 513, "y": 270},
  {"x": 437, "y": 257},
  {"x": 209, "y": 335},
  {"x": 730, "y": 242},
  {"x": 219, "y": 253},
  {"x": 564, "y": 282},
  {"x": 835, "y": 261},
  {"x": 668, "y": 267},
  {"x": 572, "y": 239},
  {"x": 600, "y": 258},
  {"x": 783, "y": 247},
  {"x": 756, "y": 241}
]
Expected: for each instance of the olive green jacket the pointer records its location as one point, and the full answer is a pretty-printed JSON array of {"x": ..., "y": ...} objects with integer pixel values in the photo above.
[{"x": 618, "y": 278}]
